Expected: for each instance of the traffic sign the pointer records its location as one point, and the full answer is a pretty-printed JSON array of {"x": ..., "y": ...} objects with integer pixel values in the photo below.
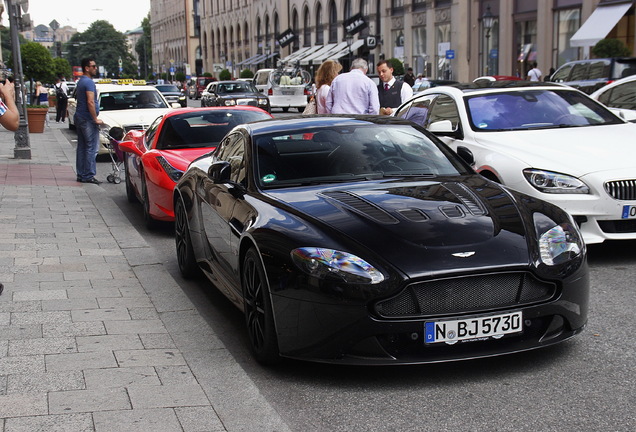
[{"x": 450, "y": 54}]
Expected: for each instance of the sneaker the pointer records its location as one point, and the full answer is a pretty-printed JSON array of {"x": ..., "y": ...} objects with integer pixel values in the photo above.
[{"x": 92, "y": 180}]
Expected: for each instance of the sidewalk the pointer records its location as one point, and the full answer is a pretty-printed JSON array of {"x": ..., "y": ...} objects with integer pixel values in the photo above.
[{"x": 89, "y": 341}]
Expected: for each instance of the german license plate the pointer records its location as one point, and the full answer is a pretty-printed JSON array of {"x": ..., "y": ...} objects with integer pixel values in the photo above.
[
  {"x": 629, "y": 212},
  {"x": 493, "y": 326},
  {"x": 288, "y": 92}
]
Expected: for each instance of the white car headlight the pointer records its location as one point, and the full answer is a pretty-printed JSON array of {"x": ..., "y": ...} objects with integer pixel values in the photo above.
[
  {"x": 230, "y": 102},
  {"x": 556, "y": 183},
  {"x": 560, "y": 243},
  {"x": 262, "y": 101},
  {"x": 323, "y": 263}
]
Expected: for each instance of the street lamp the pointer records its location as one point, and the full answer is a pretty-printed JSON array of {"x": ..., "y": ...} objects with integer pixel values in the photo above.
[
  {"x": 349, "y": 39},
  {"x": 487, "y": 20},
  {"x": 267, "y": 52}
]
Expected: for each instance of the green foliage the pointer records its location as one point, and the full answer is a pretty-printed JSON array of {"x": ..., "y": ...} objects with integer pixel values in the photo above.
[
  {"x": 62, "y": 67},
  {"x": 180, "y": 76},
  {"x": 398, "y": 66},
  {"x": 37, "y": 63},
  {"x": 143, "y": 48},
  {"x": 247, "y": 73},
  {"x": 225, "y": 75},
  {"x": 106, "y": 45},
  {"x": 611, "y": 48},
  {"x": 207, "y": 74}
]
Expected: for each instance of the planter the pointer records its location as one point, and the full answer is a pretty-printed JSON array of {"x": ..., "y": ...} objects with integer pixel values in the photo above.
[{"x": 36, "y": 117}]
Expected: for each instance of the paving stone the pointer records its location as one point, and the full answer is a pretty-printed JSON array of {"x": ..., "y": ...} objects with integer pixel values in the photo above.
[
  {"x": 175, "y": 375},
  {"x": 79, "y": 361},
  {"x": 5, "y": 318},
  {"x": 49, "y": 317},
  {"x": 69, "y": 304},
  {"x": 76, "y": 401},
  {"x": 45, "y": 382},
  {"x": 88, "y": 328},
  {"x": 22, "y": 306},
  {"x": 109, "y": 343},
  {"x": 39, "y": 295},
  {"x": 143, "y": 313},
  {"x": 119, "y": 314},
  {"x": 199, "y": 419},
  {"x": 42, "y": 346},
  {"x": 152, "y": 357},
  {"x": 151, "y": 341},
  {"x": 23, "y": 404},
  {"x": 121, "y": 377},
  {"x": 94, "y": 292},
  {"x": 166, "y": 396},
  {"x": 51, "y": 423},
  {"x": 138, "y": 420},
  {"x": 20, "y": 331},
  {"x": 135, "y": 327},
  {"x": 125, "y": 302}
]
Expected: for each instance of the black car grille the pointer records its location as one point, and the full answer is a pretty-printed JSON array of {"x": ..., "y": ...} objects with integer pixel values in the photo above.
[
  {"x": 618, "y": 226},
  {"x": 466, "y": 294},
  {"x": 135, "y": 127},
  {"x": 624, "y": 190}
]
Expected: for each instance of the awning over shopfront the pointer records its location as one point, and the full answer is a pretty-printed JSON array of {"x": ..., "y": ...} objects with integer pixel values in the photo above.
[
  {"x": 317, "y": 54},
  {"x": 295, "y": 55},
  {"x": 248, "y": 61},
  {"x": 329, "y": 53},
  {"x": 354, "y": 46},
  {"x": 599, "y": 24}
]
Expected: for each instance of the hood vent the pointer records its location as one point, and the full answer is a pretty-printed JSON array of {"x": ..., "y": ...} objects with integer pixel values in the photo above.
[
  {"x": 361, "y": 206},
  {"x": 467, "y": 197},
  {"x": 452, "y": 211},
  {"x": 414, "y": 215}
]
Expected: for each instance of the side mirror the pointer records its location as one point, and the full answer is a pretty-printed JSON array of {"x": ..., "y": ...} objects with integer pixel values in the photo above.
[
  {"x": 445, "y": 128},
  {"x": 129, "y": 147},
  {"x": 220, "y": 172},
  {"x": 466, "y": 155}
]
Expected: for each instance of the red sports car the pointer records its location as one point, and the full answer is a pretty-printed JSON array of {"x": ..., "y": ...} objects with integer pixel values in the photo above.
[{"x": 155, "y": 159}]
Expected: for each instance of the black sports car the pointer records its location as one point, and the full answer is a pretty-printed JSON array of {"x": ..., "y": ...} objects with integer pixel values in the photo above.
[
  {"x": 230, "y": 93},
  {"x": 364, "y": 239}
]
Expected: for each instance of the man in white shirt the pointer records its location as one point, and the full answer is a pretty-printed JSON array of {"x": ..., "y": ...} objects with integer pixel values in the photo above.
[
  {"x": 391, "y": 92},
  {"x": 534, "y": 74}
]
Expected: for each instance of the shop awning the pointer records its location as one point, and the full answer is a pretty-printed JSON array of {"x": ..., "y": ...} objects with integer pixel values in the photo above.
[
  {"x": 249, "y": 60},
  {"x": 329, "y": 54},
  {"x": 307, "y": 53},
  {"x": 599, "y": 24},
  {"x": 317, "y": 54},
  {"x": 296, "y": 54},
  {"x": 354, "y": 46}
]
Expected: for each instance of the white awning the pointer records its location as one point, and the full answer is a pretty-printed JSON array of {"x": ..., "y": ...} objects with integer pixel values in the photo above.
[
  {"x": 307, "y": 53},
  {"x": 249, "y": 60},
  {"x": 599, "y": 24},
  {"x": 354, "y": 46},
  {"x": 320, "y": 52},
  {"x": 295, "y": 55}
]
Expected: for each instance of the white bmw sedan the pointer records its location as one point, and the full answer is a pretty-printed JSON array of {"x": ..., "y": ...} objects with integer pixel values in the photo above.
[{"x": 546, "y": 140}]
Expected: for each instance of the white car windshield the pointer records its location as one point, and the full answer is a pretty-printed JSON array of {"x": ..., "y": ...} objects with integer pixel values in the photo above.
[
  {"x": 535, "y": 109},
  {"x": 126, "y": 100}
]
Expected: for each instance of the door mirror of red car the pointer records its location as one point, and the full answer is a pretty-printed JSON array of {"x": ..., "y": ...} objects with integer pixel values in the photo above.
[{"x": 129, "y": 147}]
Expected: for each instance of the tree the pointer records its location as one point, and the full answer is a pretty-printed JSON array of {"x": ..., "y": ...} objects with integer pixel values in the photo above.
[
  {"x": 611, "y": 48},
  {"x": 398, "y": 66},
  {"x": 247, "y": 73},
  {"x": 5, "y": 34},
  {"x": 37, "y": 62},
  {"x": 143, "y": 48},
  {"x": 61, "y": 67},
  {"x": 106, "y": 45},
  {"x": 225, "y": 75}
]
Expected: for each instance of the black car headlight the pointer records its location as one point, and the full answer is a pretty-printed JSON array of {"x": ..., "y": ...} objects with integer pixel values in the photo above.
[
  {"x": 230, "y": 102},
  {"x": 558, "y": 243},
  {"x": 172, "y": 172},
  {"x": 262, "y": 101},
  {"x": 555, "y": 183},
  {"x": 323, "y": 263}
]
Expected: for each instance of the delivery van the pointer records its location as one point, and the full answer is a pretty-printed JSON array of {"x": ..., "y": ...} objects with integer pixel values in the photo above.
[{"x": 286, "y": 88}]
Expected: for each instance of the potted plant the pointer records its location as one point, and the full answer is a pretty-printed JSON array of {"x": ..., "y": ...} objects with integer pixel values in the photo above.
[{"x": 36, "y": 117}]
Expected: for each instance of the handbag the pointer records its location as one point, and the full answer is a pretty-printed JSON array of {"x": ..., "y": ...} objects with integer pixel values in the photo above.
[{"x": 311, "y": 107}]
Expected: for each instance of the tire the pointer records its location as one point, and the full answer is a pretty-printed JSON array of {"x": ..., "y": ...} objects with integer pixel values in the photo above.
[
  {"x": 149, "y": 221},
  {"x": 130, "y": 190},
  {"x": 185, "y": 253},
  {"x": 257, "y": 305}
]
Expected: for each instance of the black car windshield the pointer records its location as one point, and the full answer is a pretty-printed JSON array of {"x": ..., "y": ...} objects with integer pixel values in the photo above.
[
  {"x": 340, "y": 154},
  {"x": 203, "y": 128},
  {"x": 126, "y": 100},
  {"x": 235, "y": 87},
  {"x": 535, "y": 109},
  {"x": 165, "y": 88}
]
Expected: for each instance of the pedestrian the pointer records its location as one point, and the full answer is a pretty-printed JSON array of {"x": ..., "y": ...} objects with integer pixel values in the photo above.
[
  {"x": 549, "y": 75},
  {"x": 9, "y": 114},
  {"x": 325, "y": 75},
  {"x": 353, "y": 92},
  {"x": 42, "y": 98},
  {"x": 87, "y": 123},
  {"x": 61, "y": 97},
  {"x": 409, "y": 77},
  {"x": 391, "y": 92},
  {"x": 535, "y": 73}
]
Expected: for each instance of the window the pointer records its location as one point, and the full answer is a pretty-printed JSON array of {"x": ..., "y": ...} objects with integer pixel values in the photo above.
[
  {"x": 232, "y": 150},
  {"x": 566, "y": 23},
  {"x": 333, "y": 22},
  {"x": 320, "y": 38},
  {"x": 444, "y": 108},
  {"x": 622, "y": 96},
  {"x": 306, "y": 28}
]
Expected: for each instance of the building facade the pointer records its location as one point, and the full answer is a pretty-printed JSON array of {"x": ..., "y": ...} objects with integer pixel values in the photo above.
[{"x": 443, "y": 39}]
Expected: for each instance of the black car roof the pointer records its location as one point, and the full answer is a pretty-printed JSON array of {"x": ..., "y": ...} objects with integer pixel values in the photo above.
[
  {"x": 296, "y": 124},
  {"x": 503, "y": 85}
]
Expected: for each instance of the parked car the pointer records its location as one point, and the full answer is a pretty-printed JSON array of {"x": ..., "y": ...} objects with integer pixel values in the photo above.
[
  {"x": 124, "y": 105},
  {"x": 366, "y": 240},
  {"x": 155, "y": 159},
  {"x": 230, "y": 93},
  {"x": 590, "y": 75},
  {"x": 285, "y": 88},
  {"x": 620, "y": 97},
  {"x": 428, "y": 83},
  {"x": 173, "y": 94},
  {"x": 197, "y": 85},
  {"x": 543, "y": 139}
]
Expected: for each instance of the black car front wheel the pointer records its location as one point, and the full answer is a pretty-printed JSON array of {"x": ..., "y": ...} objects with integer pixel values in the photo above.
[
  {"x": 130, "y": 190},
  {"x": 151, "y": 223},
  {"x": 259, "y": 316},
  {"x": 185, "y": 253}
]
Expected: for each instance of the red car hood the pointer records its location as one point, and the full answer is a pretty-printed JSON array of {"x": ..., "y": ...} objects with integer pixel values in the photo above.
[{"x": 181, "y": 158}]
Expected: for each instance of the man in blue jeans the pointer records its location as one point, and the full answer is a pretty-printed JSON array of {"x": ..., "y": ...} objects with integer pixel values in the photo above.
[{"x": 87, "y": 124}]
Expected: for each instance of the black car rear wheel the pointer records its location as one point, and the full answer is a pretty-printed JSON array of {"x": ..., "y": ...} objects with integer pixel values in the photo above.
[
  {"x": 185, "y": 253},
  {"x": 258, "y": 310}
]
